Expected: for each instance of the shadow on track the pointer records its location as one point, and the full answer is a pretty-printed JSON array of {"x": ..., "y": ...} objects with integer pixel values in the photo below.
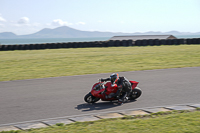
[{"x": 98, "y": 106}]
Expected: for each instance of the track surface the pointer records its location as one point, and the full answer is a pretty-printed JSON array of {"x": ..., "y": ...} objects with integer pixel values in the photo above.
[{"x": 26, "y": 100}]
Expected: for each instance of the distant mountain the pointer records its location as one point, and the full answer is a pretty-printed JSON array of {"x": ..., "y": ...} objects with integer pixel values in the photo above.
[
  {"x": 7, "y": 35},
  {"x": 67, "y": 32}
]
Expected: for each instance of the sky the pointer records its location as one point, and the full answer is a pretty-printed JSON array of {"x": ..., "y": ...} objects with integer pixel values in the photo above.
[{"x": 129, "y": 16}]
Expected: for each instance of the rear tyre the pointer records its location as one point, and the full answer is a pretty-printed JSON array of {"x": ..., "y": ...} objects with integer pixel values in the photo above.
[
  {"x": 136, "y": 92},
  {"x": 89, "y": 98}
]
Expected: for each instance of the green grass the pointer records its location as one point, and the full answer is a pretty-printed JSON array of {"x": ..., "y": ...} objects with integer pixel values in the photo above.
[
  {"x": 173, "y": 122},
  {"x": 30, "y": 64}
]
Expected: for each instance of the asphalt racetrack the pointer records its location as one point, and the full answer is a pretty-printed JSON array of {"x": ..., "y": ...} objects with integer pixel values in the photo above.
[{"x": 26, "y": 100}]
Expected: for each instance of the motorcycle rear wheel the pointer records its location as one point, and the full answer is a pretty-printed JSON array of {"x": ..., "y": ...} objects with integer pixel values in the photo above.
[
  {"x": 89, "y": 98},
  {"x": 136, "y": 92}
]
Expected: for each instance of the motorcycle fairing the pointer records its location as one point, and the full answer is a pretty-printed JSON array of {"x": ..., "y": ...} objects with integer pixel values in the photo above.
[{"x": 100, "y": 91}]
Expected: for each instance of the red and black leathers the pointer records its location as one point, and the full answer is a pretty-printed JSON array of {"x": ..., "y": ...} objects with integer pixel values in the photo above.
[{"x": 124, "y": 88}]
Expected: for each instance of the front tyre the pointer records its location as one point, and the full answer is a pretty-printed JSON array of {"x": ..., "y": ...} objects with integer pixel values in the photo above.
[
  {"x": 89, "y": 98},
  {"x": 136, "y": 92}
]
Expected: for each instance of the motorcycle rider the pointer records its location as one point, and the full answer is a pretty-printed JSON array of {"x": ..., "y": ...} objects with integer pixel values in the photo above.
[{"x": 123, "y": 85}]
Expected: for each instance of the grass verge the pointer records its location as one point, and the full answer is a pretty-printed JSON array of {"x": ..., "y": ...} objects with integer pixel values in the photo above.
[
  {"x": 30, "y": 64},
  {"x": 162, "y": 122}
]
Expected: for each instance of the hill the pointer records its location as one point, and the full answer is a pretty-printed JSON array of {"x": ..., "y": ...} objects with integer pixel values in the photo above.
[
  {"x": 60, "y": 32},
  {"x": 7, "y": 35},
  {"x": 67, "y": 32}
]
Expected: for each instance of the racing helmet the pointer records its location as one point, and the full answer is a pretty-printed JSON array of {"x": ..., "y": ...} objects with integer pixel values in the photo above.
[{"x": 114, "y": 78}]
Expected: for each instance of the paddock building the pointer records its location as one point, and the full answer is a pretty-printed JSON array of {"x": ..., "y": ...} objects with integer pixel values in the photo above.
[{"x": 142, "y": 37}]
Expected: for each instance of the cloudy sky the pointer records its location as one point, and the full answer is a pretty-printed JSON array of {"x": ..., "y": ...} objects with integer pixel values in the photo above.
[{"x": 29, "y": 16}]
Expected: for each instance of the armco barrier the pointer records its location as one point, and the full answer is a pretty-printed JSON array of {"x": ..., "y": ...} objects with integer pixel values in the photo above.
[{"x": 110, "y": 43}]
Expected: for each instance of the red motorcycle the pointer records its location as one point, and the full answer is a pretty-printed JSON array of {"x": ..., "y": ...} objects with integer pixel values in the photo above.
[{"x": 100, "y": 89}]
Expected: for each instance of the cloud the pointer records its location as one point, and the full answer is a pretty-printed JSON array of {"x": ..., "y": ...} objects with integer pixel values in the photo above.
[
  {"x": 1, "y": 25},
  {"x": 36, "y": 24},
  {"x": 59, "y": 22},
  {"x": 23, "y": 20},
  {"x": 80, "y": 23},
  {"x": 2, "y": 19}
]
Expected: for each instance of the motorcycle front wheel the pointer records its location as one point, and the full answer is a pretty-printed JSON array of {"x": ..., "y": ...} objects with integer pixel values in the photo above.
[
  {"x": 89, "y": 98},
  {"x": 136, "y": 92}
]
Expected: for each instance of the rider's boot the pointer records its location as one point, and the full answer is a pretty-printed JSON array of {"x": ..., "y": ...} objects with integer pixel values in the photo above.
[
  {"x": 126, "y": 99},
  {"x": 120, "y": 102}
]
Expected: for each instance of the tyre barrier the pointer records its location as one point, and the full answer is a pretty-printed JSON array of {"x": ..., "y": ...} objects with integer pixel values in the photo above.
[
  {"x": 144, "y": 42},
  {"x": 157, "y": 42},
  {"x": 130, "y": 42},
  {"x": 117, "y": 43},
  {"x": 110, "y": 43},
  {"x": 163, "y": 42},
  {"x": 193, "y": 41},
  {"x": 138, "y": 43},
  {"x": 150, "y": 42}
]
